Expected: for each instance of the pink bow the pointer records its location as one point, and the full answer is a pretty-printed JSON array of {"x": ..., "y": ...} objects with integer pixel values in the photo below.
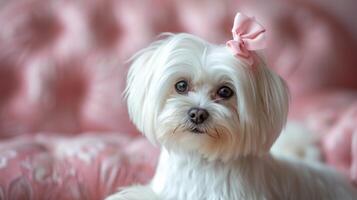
[{"x": 248, "y": 35}]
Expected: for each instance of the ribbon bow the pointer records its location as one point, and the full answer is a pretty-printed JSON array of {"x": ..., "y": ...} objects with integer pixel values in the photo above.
[{"x": 248, "y": 35}]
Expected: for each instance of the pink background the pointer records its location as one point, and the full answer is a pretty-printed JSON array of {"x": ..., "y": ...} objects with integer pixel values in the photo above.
[{"x": 64, "y": 128}]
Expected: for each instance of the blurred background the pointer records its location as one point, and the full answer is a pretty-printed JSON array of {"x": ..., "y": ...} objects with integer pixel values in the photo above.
[{"x": 63, "y": 66}]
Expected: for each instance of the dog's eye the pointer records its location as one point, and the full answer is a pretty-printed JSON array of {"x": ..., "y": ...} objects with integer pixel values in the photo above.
[
  {"x": 225, "y": 92},
  {"x": 181, "y": 87}
]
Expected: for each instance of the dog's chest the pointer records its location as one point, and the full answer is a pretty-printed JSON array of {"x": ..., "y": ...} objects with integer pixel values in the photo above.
[{"x": 182, "y": 179}]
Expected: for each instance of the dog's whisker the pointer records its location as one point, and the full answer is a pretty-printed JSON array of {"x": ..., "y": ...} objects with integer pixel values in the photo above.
[
  {"x": 206, "y": 130},
  {"x": 217, "y": 133},
  {"x": 236, "y": 112},
  {"x": 211, "y": 135},
  {"x": 176, "y": 129}
]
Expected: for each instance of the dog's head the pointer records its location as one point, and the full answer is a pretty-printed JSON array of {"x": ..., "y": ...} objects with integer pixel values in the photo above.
[{"x": 192, "y": 96}]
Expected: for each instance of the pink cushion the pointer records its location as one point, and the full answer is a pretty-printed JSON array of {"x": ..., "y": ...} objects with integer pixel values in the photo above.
[
  {"x": 62, "y": 71},
  {"x": 89, "y": 166}
]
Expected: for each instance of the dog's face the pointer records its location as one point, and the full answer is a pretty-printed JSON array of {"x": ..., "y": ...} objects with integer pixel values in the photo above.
[{"x": 194, "y": 97}]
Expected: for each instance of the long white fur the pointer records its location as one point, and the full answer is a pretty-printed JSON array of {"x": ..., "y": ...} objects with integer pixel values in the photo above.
[{"x": 231, "y": 160}]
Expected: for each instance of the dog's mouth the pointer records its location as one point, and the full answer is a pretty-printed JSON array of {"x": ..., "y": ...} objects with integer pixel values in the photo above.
[{"x": 197, "y": 131}]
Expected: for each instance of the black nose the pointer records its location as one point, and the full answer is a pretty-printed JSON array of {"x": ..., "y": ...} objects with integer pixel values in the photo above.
[{"x": 197, "y": 115}]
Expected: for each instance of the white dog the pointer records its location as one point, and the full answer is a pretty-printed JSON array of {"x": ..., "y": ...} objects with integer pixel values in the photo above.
[{"x": 216, "y": 110}]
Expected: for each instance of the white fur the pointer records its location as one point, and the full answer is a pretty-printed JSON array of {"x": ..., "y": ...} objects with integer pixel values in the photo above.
[
  {"x": 231, "y": 160},
  {"x": 297, "y": 142}
]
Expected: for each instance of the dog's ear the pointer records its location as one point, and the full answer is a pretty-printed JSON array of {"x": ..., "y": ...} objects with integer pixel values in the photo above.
[
  {"x": 274, "y": 96},
  {"x": 265, "y": 107},
  {"x": 137, "y": 92}
]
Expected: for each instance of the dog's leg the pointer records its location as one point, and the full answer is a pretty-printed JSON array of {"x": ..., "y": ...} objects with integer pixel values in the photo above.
[{"x": 138, "y": 192}]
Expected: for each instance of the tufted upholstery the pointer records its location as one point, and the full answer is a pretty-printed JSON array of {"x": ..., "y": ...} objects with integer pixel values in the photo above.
[
  {"x": 81, "y": 167},
  {"x": 64, "y": 129}
]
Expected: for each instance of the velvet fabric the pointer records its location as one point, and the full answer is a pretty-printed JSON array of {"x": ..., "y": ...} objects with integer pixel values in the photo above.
[{"x": 64, "y": 128}]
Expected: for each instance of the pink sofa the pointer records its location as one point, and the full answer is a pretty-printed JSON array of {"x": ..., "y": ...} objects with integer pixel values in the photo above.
[{"x": 64, "y": 130}]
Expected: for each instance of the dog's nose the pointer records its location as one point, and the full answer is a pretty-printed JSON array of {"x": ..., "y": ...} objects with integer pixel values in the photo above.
[{"x": 197, "y": 115}]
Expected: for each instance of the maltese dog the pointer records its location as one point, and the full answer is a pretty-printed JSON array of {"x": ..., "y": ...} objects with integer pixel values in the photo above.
[{"x": 216, "y": 110}]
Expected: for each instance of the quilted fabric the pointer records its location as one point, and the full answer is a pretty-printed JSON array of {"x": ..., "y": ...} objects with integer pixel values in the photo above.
[
  {"x": 64, "y": 129},
  {"x": 87, "y": 167}
]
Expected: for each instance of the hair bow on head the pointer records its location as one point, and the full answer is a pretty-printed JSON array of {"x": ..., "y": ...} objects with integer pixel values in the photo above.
[{"x": 248, "y": 35}]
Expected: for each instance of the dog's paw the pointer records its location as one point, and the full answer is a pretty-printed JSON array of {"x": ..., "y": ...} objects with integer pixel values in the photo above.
[{"x": 134, "y": 193}]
